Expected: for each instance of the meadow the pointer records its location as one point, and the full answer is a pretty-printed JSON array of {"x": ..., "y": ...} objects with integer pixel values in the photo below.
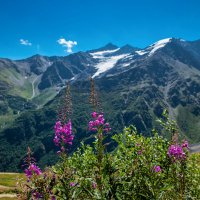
[{"x": 8, "y": 187}]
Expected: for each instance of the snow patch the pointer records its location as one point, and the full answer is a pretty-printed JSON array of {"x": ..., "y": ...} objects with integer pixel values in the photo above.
[
  {"x": 141, "y": 52},
  {"x": 128, "y": 57},
  {"x": 160, "y": 44},
  {"x": 99, "y": 54},
  {"x": 154, "y": 47},
  {"x": 126, "y": 64},
  {"x": 107, "y": 63}
]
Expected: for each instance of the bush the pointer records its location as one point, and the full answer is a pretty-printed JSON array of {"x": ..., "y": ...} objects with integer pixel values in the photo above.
[{"x": 139, "y": 168}]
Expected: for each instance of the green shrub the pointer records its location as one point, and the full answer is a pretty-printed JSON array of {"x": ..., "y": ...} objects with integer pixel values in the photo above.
[{"x": 139, "y": 168}]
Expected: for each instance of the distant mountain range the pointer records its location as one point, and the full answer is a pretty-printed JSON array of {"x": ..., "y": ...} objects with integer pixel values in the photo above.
[{"x": 134, "y": 84}]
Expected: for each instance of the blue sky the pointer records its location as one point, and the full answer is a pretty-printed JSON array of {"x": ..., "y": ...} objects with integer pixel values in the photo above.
[{"x": 89, "y": 24}]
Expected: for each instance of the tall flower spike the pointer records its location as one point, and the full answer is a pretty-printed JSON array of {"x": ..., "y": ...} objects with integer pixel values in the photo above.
[
  {"x": 31, "y": 167},
  {"x": 28, "y": 159},
  {"x": 94, "y": 96},
  {"x": 65, "y": 112}
]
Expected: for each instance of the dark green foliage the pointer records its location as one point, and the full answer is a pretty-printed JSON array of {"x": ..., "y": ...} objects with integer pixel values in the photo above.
[{"x": 122, "y": 106}]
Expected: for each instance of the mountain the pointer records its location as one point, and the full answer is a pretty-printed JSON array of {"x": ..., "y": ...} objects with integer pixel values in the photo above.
[
  {"x": 107, "y": 47},
  {"x": 134, "y": 86}
]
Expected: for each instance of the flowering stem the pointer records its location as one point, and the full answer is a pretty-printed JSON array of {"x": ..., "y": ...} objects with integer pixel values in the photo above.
[
  {"x": 182, "y": 179},
  {"x": 100, "y": 153}
]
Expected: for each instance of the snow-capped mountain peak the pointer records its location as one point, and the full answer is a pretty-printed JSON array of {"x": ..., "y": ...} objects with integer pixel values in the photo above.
[
  {"x": 107, "y": 58},
  {"x": 158, "y": 45},
  {"x": 154, "y": 47}
]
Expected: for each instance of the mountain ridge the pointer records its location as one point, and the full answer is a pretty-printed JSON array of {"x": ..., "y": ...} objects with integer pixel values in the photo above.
[{"x": 134, "y": 86}]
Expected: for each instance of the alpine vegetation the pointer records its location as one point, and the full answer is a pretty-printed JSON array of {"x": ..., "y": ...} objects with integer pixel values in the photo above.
[{"x": 138, "y": 168}]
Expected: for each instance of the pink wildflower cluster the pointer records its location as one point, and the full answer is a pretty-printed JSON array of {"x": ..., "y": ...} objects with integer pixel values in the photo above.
[
  {"x": 98, "y": 122},
  {"x": 63, "y": 134},
  {"x": 32, "y": 169},
  {"x": 176, "y": 151}
]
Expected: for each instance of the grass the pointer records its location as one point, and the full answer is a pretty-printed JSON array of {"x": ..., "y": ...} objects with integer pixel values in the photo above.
[
  {"x": 25, "y": 91},
  {"x": 9, "y": 180},
  {"x": 198, "y": 157},
  {"x": 45, "y": 96},
  {"x": 189, "y": 123},
  {"x": 6, "y": 120},
  {"x": 19, "y": 85},
  {"x": 8, "y": 185}
]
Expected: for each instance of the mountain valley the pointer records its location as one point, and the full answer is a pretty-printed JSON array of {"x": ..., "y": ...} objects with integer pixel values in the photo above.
[{"x": 134, "y": 87}]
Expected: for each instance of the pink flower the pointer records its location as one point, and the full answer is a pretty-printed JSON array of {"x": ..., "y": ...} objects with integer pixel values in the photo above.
[
  {"x": 101, "y": 119},
  {"x": 98, "y": 122},
  {"x": 107, "y": 125},
  {"x": 28, "y": 173},
  {"x": 53, "y": 198},
  {"x": 185, "y": 144},
  {"x": 175, "y": 152},
  {"x": 32, "y": 169},
  {"x": 157, "y": 169},
  {"x": 63, "y": 134},
  {"x": 72, "y": 184},
  {"x": 94, "y": 115}
]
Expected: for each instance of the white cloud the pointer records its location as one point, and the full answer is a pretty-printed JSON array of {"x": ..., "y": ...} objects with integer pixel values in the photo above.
[
  {"x": 25, "y": 42},
  {"x": 68, "y": 44}
]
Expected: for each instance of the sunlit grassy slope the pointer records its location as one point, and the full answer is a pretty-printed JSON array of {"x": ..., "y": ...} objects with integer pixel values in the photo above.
[
  {"x": 9, "y": 179},
  {"x": 8, "y": 185}
]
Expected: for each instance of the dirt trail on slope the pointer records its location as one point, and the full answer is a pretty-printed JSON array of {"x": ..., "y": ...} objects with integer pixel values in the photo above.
[
  {"x": 8, "y": 195},
  {"x": 33, "y": 87},
  {"x": 195, "y": 148},
  {"x": 6, "y": 187}
]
